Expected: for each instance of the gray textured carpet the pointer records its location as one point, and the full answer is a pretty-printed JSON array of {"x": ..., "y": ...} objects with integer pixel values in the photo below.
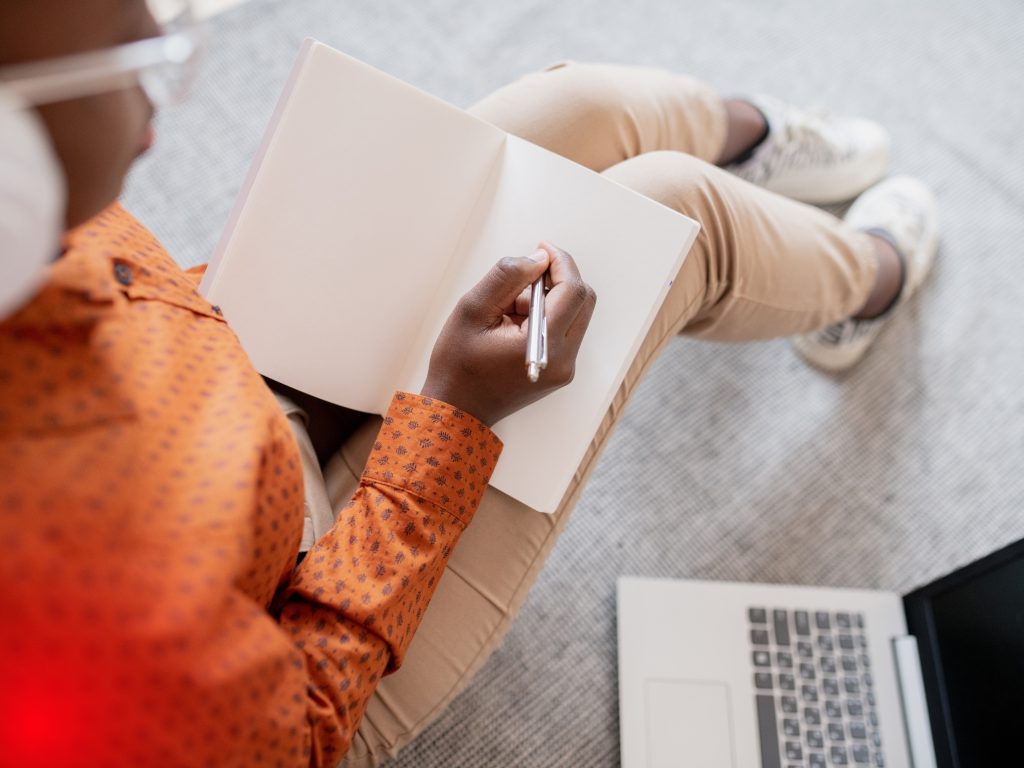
[{"x": 732, "y": 462}]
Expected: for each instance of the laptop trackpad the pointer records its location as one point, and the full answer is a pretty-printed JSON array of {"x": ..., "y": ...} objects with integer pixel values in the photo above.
[{"x": 688, "y": 724}]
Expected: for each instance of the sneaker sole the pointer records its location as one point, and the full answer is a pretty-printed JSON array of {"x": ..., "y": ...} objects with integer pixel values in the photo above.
[{"x": 835, "y": 360}]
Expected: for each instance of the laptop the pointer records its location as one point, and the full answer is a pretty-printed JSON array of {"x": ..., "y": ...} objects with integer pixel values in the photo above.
[{"x": 731, "y": 675}]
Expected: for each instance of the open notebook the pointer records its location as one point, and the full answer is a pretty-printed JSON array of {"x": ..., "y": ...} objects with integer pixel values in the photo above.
[{"x": 372, "y": 207}]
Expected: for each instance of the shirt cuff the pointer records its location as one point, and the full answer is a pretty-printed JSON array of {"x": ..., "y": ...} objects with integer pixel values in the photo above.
[{"x": 435, "y": 451}]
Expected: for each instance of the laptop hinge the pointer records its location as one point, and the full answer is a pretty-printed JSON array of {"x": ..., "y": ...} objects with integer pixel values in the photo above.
[{"x": 915, "y": 705}]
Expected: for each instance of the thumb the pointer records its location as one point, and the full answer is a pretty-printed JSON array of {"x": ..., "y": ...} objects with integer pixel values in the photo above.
[{"x": 498, "y": 290}]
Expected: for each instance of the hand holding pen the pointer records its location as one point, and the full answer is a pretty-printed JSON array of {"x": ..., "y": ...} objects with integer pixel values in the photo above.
[{"x": 477, "y": 362}]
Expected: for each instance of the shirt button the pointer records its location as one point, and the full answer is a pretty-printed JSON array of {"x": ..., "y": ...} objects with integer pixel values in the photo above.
[{"x": 123, "y": 274}]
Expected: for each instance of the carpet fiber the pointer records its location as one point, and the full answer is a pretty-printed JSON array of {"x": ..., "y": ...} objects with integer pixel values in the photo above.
[{"x": 732, "y": 462}]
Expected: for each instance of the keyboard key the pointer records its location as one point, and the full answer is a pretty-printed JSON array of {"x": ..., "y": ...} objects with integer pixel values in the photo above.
[
  {"x": 860, "y": 754},
  {"x": 784, "y": 659},
  {"x": 869, "y": 681},
  {"x": 836, "y": 732},
  {"x": 838, "y": 755},
  {"x": 833, "y": 710},
  {"x": 846, "y": 642},
  {"x": 858, "y": 620},
  {"x": 854, "y": 708},
  {"x": 807, "y": 670},
  {"x": 825, "y": 643},
  {"x": 879, "y": 760},
  {"x": 870, "y": 699},
  {"x": 791, "y": 728},
  {"x": 851, "y": 686},
  {"x": 763, "y": 680},
  {"x": 843, "y": 620},
  {"x": 780, "y": 620},
  {"x": 794, "y": 750},
  {"x": 787, "y": 683},
  {"x": 812, "y": 715},
  {"x": 817, "y": 760},
  {"x": 789, "y": 705},
  {"x": 809, "y": 693},
  {"x": 815, "y": 740},
  {"x": 873, "y": 719},
  {"x": 876, "y": 738},
  {"x": 857, "y": 730},
  {"x": 762, "y": 659},
  {"x": 804, "y": 649},
  {"x": 769, "y": 729},
  {"x": 821, "y": 620},
  {"x": 849, "y": 663},
  {"x": 757, "y": 615},
  {"x": 865, "y": 661},
  {"x": 830, "y": 686},
  {"x": 828, "y": 665},
  {"x": 759, "y": 636},
  {"x": 803, "y": 622},
  {"x": 862, "y": 641}
]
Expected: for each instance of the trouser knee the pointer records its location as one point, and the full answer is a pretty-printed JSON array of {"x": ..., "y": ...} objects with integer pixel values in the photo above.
[{"x": 679, "y": 181}]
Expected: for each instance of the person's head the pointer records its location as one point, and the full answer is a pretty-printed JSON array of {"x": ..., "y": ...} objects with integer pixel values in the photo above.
[{"x": 96, "y": 138}]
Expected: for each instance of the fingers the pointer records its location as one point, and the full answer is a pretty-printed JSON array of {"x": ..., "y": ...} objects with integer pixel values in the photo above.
[
  {"x": 578, "y": 328},
  {"x": 504, "y": 295},
  {"x": 568, "y": 294},
  {"x": 497, "y": 292},
  {"x": 522, "y": 305},
  {"x": 563, "y": 267}
]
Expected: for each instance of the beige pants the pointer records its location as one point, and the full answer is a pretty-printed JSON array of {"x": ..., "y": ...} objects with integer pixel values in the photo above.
[{"x": 762, "y": 267}]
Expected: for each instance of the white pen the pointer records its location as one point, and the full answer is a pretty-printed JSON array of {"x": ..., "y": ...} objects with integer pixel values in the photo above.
[{"x": 536, "y": 332}]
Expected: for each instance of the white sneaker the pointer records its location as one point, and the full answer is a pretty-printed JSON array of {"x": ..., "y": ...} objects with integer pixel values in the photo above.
[
  {"x": 813, "y": 156},
  {"x": 904, "y": 211}
]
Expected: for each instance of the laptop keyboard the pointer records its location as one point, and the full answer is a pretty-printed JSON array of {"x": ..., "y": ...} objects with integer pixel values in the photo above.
[{"x": 814, "y": 689}]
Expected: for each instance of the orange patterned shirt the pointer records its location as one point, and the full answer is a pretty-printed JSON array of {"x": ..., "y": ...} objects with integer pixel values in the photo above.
[{"x": 150, "y": 515}]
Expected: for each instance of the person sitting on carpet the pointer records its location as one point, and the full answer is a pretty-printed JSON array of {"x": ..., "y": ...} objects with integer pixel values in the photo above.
[{"x": 198, "y": 572}]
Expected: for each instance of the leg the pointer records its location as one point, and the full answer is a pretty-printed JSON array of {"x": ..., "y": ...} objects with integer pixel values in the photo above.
[
  {"x": 620, "y": 112},
  {"x": 601, "y": 114},
  {"x": 763, "y": 266}
]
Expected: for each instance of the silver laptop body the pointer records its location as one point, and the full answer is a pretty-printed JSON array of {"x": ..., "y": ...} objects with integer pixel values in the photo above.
[{"x": 735, "y": 675}]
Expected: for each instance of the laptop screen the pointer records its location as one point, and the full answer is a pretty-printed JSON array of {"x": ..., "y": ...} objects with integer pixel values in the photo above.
[{"x": 970, "y": 631}]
